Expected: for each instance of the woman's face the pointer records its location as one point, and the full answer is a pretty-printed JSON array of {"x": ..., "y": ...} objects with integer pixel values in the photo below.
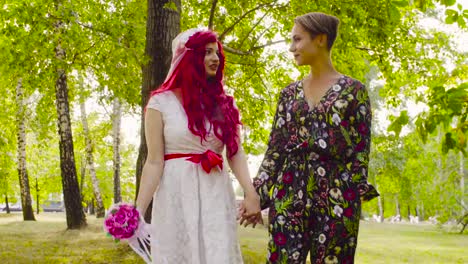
[
  {"x": 211, "y": 59},
  {"x": 304, "y": 48}
]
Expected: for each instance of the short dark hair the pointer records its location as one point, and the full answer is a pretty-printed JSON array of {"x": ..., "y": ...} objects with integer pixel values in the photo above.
[{"x": 319, "y": 23}]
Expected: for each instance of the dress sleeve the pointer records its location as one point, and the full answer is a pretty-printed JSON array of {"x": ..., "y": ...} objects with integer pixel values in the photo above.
[
  {"x": 155, "y": 102},
  {"x": 360, "y": 118},
  {"x": 274, "y": 156}
]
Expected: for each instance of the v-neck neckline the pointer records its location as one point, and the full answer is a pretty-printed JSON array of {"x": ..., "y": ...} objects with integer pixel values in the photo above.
[{"x": 323, "y": 97}]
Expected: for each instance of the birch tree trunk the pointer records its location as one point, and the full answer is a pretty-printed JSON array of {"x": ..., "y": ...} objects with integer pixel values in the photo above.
[
  {"x": 116, "y": 119},
  {"x": 26, "y": 202},
  {"x": 380, "y": 202},
  {"x": 397, "y": 204},
  {"x": 100, "y": 212},
  {"x": 76, "y": 218},
  {"x": 462, "y": 183}
]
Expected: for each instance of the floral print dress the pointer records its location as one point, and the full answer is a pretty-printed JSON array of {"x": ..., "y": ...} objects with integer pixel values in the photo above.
[{"x": 314, "y": 174}]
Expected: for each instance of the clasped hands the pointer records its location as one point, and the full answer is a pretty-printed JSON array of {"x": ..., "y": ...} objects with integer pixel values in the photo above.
[{"x": 249, "y": 211}]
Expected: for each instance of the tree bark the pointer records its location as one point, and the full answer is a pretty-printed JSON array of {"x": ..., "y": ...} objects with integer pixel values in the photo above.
[
  {"x": 26, "y": 202},
  {"x": 398, "y": 211},
  {"x": 7, "y": 206},
  {"x": 91, "y": 207},
  {"x": 380, "y": 202},
  {"x": 462, "y": 183},
  {"x": 162, "y": 26},
  {"x": 76, "y": 218},
  {"x": 100, "y": 212},
  {"x": 82, "y": 176},
  {"x": 37, "y": 196},
  {"x": 116, "y": 120}
]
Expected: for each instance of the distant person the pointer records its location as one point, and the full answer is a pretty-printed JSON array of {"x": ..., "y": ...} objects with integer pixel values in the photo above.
[
  {"x": 314, "y": 173},
  {"x": 189, "y": 120}
]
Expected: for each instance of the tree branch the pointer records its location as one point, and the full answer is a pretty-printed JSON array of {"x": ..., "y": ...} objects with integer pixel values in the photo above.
[
  {"x": 271, "y": 43},
  {"x": 229, "y": 29},
  {"x": 259, "y": 36},
  {"x": 83, "y": 52},
  {"x": 235, "y": 51},
  {"x": 251, "y": 30},
  {"x": 249, "y": 52},
  {"x": 94, "y": 29},
  {"x": 212, "y": 12},
  {"x": 363, "y": 48}
]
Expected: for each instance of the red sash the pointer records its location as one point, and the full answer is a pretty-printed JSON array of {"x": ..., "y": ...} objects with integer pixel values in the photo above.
[{"x": 208, "y": 159}]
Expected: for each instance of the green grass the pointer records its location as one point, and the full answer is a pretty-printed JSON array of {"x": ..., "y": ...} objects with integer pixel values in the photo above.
[{"x": 48, "y": 241}]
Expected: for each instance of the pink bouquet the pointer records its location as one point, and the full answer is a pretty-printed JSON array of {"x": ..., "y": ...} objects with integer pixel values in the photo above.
[{"x": 124, "y": 222}]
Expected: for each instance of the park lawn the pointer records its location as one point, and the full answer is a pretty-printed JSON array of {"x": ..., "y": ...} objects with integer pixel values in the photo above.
[{"x": 47, "y": 241}]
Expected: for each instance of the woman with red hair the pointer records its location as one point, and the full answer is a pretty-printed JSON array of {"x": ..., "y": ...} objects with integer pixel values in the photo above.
[{"x": 188, "y": 121}]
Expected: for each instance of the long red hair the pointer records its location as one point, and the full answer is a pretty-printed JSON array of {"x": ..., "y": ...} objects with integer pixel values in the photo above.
[{"x": 204, "y": 99}]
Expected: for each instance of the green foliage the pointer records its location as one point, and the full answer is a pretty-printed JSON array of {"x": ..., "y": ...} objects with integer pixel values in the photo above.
[
  {"x": 399, "y": 122},
  {"x": 104, "y": 44}
]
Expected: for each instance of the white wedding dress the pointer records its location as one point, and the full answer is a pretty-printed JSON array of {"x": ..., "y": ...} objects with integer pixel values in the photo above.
[{"x": 194, "y": 213}]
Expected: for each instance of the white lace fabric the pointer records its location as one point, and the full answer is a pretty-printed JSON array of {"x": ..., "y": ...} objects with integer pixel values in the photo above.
[{"x": 194, "y": 214}]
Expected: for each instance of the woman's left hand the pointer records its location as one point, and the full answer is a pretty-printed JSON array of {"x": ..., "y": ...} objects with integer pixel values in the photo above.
[{"x": 250, "y": 211}]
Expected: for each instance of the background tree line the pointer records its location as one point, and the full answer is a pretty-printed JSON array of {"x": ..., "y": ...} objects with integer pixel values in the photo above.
[{"x": 59, "y": 57}]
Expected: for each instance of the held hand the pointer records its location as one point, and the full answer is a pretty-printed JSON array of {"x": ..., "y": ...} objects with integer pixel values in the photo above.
[
  {"x": 254, "y": 220},
  {"x": 250, "y": 210},
  {"x": 240, "y": 211},
  {"x": 251, "y": 204}
]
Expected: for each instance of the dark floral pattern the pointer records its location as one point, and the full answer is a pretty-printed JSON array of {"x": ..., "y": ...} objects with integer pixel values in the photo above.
[{"x": 314, "y": 174}]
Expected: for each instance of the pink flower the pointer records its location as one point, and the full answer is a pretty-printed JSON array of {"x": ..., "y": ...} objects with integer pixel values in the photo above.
[
  {"x": 281, "y": 193},
  {"x": 363, "y": 129},
  {"x": 120, "y": 217},
  {"x": 348, "y": 260},
  {"x": 109, "y": 222},
  {"x": 360, "y": 146},
  {"x": 280, "y": 239},
  {"x": 288, "y": 178},
  {"x": 349, "y": 195},
  {"x": 132, "y": 224},
  {"x": 348, "y": 212},
  {"x": 122, "y": 221},
  {"x": 273, "y": 257}
]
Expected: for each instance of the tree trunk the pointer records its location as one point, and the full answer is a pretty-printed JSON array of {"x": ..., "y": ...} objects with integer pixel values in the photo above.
[
  {"x": 409, "y": 211},
  {"x": 116, "y": 118},
  {"x": 380, "y": 201},
  {"x": 37, "y": 196},
  {"x": 7, "y": 206},
  {"x": 26, "y": 202},
  {"x": 421, "y": 213},
  {"x": 91, "y": 207},
  {"x": 462, "y": 184},
  {"x": 162, "y": 26},
  {"x": 71, "y": 192},
  {"x": 82, "y": 176},
  {"x": 398, "y": 211},
  {"x": 100, "y": 212}
]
